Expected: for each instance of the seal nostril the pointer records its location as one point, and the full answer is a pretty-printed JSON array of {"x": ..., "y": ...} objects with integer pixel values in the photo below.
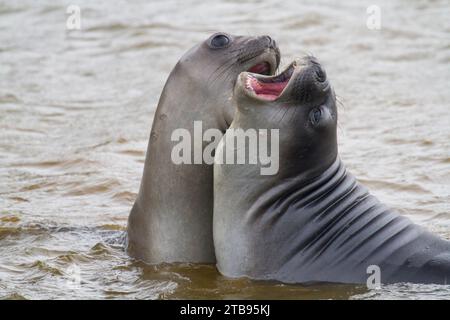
[
  {"x": 273, "y": 44},
  {"x": 320, "y": 74},
  {"x": 270, "y": 41}
]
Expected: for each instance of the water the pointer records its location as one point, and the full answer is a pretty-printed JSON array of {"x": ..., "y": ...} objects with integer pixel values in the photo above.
[{"x": 76, "y": 109}]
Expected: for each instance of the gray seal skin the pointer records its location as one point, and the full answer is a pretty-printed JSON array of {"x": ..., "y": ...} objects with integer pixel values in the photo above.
[
  {"x": 171, "y": 220},
  {"x": 312, "y": 221}
]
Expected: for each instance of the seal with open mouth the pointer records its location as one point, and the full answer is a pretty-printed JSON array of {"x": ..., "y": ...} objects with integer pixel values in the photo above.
[
  {"x": 171, "y": 220},
  {"x": 311, "y": 221}
]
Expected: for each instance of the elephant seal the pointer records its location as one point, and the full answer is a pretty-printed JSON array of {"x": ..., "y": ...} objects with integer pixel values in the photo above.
[
  {"x": 171, "y": 220},
  {"x": 311, "y": 221}
]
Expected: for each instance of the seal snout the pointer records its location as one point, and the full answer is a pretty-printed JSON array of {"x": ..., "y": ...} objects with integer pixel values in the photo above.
[
  {"x": 304, "y": 81},
  {"x": 311, "y": 83},
  {"x": 263, "y": 53}
]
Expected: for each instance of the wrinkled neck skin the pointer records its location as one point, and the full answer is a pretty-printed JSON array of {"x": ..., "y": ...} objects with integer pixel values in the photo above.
[
  {"x": 308, "y": 225},
  {"x": 171, "y": 220}
]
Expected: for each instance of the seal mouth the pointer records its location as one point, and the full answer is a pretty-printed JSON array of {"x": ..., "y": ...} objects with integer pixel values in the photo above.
[
  {"x": 268, "y": 88},
  {"x": 266, "y": 63},
  {"x": 263, "y": 68}
]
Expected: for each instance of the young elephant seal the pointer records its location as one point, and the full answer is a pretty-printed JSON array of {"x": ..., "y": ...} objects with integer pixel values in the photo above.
[
  {"x": 311, "y": 221},
  {"x": 171, "y": 220}
]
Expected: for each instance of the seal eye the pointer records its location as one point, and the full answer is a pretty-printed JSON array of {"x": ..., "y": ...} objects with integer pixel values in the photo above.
[
  {"x": 220, "y": 41},
  {"x": 315, "y": 115}
]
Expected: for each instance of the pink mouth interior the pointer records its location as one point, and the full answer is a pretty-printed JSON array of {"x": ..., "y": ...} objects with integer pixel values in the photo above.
[
  {"x": 261, "y": 68},
  {"x": 269, "y": 88}
]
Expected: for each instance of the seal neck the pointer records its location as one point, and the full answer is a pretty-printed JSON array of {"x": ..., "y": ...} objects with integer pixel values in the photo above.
[
  {"x": 302, "y": 188},
  {"x": 329, "y": 220}
]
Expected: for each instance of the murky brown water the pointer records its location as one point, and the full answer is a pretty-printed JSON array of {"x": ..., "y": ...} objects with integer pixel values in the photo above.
[{"x": 76, "y": 109}]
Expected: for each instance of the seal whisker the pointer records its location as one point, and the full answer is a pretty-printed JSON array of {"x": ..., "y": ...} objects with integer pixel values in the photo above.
[
  {"x": 285, "y": 112},
  {"x": 227, "y": 63},
  {"x": 275, "y": 115},
  {"x": 221, "y": 73}
]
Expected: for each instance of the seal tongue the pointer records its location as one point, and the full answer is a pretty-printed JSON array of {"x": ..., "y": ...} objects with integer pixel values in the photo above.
[{"x": 267, "y": 90}]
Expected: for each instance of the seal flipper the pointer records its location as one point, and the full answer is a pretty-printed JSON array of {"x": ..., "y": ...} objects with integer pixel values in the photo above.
[{"x": 437, "y": 270}]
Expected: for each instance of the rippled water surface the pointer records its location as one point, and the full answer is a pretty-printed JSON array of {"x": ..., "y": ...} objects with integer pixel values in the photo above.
[{"x": 76, "y": 109}]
